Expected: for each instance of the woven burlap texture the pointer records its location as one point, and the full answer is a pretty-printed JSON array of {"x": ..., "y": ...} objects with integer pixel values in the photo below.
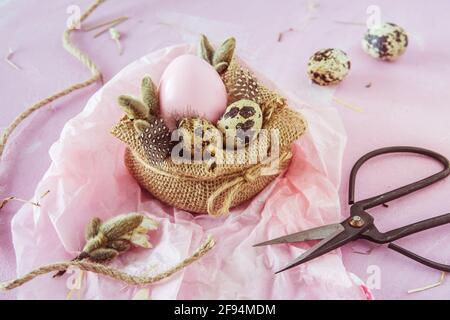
[{"x": 200, "y": 187}]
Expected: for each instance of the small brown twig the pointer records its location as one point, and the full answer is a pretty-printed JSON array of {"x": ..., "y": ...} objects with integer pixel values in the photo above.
[
  {"x": 42, "y": 197},
  {"x": 6, "y": 200},
  {"x": 431, "y": 286},
  {"x": 110, "y": 24},
  {"x": 283, "y": 33},
  {"x": 98, "y": 34},
  {"x": 45, "y": 194},
  {"x": 347, "y": 105},
  {"x": 35, "y": 203}
]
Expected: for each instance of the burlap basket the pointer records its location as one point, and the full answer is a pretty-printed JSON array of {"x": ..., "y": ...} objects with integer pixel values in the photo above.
[{"x": 200, "y": 187}]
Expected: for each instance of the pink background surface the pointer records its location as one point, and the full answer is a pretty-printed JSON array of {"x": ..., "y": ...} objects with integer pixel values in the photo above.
[
  {"x": 88, "y": 177},
  {"x": 406, "y": 103}
]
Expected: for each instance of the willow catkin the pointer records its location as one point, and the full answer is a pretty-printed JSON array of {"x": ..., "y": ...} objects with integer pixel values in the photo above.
[{"x": 111, "y": 272}]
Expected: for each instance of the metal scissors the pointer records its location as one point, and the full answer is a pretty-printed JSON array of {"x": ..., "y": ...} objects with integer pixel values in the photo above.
[{"x": 360, "y": 224}]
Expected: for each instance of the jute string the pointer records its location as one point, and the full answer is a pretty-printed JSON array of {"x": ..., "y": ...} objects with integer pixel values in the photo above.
[
  {"x": 77, "y": 53},
  {"x": 231, "y": 188},
  {"x": 234, "y": 186},
  {"x": 109, "y": 271}
]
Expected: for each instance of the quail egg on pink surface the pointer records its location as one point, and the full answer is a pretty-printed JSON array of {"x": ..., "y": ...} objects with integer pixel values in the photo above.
[
  {"x": 386, "y": 41},
  {"x": 328, "y": 66}
]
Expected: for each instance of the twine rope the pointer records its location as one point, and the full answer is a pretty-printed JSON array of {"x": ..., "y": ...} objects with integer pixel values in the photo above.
[
  {"x": 110, "y": 271},
  {"x": 77, "y": 53},
  {"x": 233, "y": 187}
]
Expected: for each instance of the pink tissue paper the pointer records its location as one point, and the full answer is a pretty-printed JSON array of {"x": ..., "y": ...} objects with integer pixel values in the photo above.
[{"x": 88, "y": 178}]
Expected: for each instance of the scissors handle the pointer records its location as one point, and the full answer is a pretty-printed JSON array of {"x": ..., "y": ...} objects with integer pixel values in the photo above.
[
  {"x": 372, "y": 233},
  {"x": 400, "y": 192},
  {"x": 422, "y": 260},
  {"x": 375, "y": 236},
  {"x": 387, "y": 237}
]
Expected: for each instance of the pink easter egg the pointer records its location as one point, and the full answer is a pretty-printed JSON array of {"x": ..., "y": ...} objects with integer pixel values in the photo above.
[{"x": 191, "y": 87}]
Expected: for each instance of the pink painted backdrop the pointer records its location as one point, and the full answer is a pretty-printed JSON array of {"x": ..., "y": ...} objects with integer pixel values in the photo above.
[{"x": 407, "y": 102}]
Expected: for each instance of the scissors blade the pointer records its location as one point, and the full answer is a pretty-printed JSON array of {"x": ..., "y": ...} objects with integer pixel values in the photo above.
[
  {"x": 311, "y": 234},
  {"x": 333, "y": 241}
]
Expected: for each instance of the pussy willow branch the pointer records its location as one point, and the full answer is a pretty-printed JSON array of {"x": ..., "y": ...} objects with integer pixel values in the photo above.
[{"x": 111, "y": 272}]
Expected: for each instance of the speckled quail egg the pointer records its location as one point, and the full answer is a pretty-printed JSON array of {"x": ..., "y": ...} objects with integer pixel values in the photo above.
[
  {"x": 241, "y": 122},
  {"x": 199, "y": 134},
  {"x": 385, "y": 41},
  {"x": 328, "y": 66}
]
